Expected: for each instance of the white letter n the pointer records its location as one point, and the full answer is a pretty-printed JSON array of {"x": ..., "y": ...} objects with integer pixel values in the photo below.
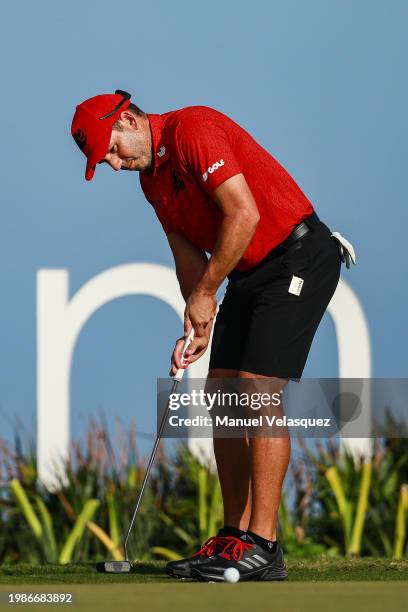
[{"x": 59, "y": 322}]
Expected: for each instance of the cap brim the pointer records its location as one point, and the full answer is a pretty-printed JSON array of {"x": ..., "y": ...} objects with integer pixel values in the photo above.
[
  {"x": 89, "y": 172},
  {"x": 98, "y": 154}
]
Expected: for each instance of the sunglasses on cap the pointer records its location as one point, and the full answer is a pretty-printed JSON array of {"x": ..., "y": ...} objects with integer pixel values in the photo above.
[{"x": 126, "y": 96}]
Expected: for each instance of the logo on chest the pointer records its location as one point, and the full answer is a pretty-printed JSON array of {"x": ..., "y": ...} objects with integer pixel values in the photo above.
[{"x": 177, "y": 182}]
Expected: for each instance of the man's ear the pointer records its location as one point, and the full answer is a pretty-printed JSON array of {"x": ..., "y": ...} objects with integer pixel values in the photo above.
[{"x": 129, "y": 118}]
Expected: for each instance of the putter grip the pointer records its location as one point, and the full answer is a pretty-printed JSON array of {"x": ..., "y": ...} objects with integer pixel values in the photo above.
[{"x": 180, "y": 372}]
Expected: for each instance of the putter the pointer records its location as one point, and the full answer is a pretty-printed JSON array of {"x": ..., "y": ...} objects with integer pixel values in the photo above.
[{"x": 124, "y": 567}]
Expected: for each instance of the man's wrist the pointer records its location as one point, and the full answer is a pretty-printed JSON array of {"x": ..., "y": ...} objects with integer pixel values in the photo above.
[{"x": 205, "y": 289}]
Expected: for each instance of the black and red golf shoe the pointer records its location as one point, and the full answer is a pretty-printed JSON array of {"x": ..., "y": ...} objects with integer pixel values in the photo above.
[
  {"x": 183, "y": 567},
  {"x": 253, "y": 561}
]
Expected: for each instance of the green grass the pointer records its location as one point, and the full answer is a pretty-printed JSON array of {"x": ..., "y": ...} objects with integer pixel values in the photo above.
[
  {"x": 259, "y": 596},
  {"x": 317, "y": 569},
  {"x": 314, "y": 585}
]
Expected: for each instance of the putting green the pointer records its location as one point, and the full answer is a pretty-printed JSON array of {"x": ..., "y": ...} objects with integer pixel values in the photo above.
[
  {"x": 314, "y": 585},
  {"x": 187, "y": 596}
]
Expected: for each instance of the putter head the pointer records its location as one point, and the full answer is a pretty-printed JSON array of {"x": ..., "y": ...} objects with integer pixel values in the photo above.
[{"x": 113, "y": 567}]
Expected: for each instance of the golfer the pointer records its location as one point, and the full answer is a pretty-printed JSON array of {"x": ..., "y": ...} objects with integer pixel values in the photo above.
[{"x": 216, "y": 191}]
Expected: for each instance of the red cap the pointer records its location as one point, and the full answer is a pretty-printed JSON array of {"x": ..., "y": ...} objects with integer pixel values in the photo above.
[{"x": 92, "y": 126}]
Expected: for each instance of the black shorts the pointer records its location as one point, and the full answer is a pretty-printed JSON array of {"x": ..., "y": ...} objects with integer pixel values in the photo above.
[{"x": 263, "y": 328}]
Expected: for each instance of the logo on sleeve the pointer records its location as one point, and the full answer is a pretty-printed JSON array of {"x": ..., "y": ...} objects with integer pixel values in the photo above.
[{"x": 212, "y": 169}]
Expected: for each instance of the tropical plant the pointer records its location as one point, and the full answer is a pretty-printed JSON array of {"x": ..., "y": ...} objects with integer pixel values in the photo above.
[
  {"x": 353, "y": 498},
  {"x": 193, "y": 510},
  {"x": 332, "y": 503}
]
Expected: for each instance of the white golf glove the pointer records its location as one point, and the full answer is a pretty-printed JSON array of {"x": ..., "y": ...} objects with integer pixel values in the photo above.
[{"x": 346, "y": 249}]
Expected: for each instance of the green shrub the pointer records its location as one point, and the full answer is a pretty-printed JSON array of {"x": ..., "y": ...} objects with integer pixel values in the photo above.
[{"x": 332, "y": 503}]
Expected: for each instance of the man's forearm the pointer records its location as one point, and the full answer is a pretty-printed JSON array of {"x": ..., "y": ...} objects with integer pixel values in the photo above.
[
  {"x": 236, "y": 233},
  {"x": 190, "y": 272}
]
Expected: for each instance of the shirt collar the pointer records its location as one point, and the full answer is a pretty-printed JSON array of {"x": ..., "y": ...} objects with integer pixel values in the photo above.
[{"x": 159, "y": 144}]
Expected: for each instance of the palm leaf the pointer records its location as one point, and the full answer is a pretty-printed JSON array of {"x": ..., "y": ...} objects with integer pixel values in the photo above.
[
  {"x": 49, "y": 543},
  {"x": 362, "y": 505},
  {"x": 78, "y": 529},
  {"x": 26, "y": 507}
]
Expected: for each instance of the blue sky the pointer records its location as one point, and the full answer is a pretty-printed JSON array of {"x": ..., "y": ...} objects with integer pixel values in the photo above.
[{"x": 320, "y": 84}]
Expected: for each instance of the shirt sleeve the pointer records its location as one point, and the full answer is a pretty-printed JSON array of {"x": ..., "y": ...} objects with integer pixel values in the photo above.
[{"x": 206, "y": 150}]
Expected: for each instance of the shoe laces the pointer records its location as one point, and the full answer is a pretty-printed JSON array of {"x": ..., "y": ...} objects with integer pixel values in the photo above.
[
  {"x": 209, "y": 547},
  {"x": 234, "y": 548}
]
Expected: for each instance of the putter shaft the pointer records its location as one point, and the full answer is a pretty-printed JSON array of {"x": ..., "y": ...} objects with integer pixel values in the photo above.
[{"x": 149, "y": 466}]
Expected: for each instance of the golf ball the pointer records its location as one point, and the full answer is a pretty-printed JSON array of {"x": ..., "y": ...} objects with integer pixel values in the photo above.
[{"x": 231, "y": 574}]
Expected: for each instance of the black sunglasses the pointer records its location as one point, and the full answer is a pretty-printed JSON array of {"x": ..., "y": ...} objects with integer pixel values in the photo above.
[{"x": 126, "y": 96}]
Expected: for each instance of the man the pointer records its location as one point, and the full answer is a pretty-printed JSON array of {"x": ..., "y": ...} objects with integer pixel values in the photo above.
[{"x": 216, "y": 190}]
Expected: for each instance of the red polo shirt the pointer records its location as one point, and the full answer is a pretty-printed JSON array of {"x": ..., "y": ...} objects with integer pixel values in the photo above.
[{"x": 195, "y": 150}]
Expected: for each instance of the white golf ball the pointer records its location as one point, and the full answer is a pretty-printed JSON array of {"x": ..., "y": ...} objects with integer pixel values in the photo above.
[{"x": 231, "y": 574}]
